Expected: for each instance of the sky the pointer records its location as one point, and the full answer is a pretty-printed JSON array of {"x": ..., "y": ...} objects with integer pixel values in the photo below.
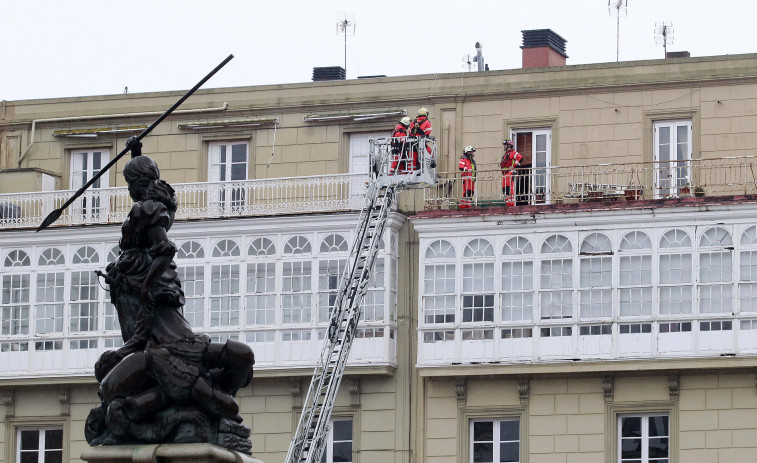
[{"x": 66, "y": 48}]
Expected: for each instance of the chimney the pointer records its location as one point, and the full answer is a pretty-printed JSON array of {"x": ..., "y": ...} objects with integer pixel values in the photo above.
[
  {"x": 329, "y": 73},
  {"x": 543, "y": 47},
  {"x": 678, "y": 54}
]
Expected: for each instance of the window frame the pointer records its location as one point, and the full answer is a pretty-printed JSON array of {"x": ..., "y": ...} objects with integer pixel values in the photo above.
[
  {"x": 614, "y": 411},
  {"x": 466, "y": 417},
  {"x": 15, "y": 425},
  {"x": 328, "y": 456}
]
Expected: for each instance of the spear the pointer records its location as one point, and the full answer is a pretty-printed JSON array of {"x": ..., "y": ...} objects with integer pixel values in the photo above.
[{"x": 54, "y": 215}]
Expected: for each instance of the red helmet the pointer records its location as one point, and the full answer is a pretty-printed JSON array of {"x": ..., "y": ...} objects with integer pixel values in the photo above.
[{"x": 508, "y": 142}]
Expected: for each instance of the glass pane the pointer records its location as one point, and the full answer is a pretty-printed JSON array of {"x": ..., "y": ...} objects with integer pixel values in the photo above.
[
  {"x": 658, "y": 426},
  {"x": 54, "y": 439},
  {"x": 631, "y": 427},
  {"x": 29, "y": 457},
  {"x": 343, "y": 430},
  {"x": 630, "y": 448},
  {"x": 509, "y": 430},
  {"x": 342, "y": 452},
  {"x": 483, "y": 453},
  {"x": 658, "y": 447},
  {"x": 29, "y": 440},
  {"x": 55, "y": 456},
  {"x": 509, "y": 451},
  {"x": 483, "y": 431}
]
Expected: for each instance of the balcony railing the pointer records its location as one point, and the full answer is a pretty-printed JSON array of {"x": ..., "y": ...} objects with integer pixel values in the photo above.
[
  {"x": 324, "y": 193},
  {"x": 631, "y": 181}
]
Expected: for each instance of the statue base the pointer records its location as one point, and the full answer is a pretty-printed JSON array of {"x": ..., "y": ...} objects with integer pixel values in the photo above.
[{"x": 164, "y": 453}]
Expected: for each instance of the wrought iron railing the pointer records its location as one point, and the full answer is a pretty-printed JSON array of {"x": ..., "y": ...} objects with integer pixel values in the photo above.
[
  {"x": 323, "y": 193},
  {"x": 630, "y": 181}
]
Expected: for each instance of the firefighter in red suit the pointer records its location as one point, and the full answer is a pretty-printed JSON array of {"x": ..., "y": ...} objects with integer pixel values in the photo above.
[
  {"x": 510, "y": 161},
  {"x": 468, "y": 167},
  {"x": 420, "y": 127},
  {"x": 400, "y": 151}
]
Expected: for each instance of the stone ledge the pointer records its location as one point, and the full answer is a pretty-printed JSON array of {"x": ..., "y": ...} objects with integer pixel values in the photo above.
[{"x": 165, "y": 453}]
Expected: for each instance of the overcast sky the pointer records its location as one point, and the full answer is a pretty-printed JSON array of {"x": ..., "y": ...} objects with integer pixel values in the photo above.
[{"x": 62, "y": 48}]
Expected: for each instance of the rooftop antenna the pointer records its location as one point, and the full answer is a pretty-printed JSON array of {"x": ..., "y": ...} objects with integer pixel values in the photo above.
[
  {"x": 618, "y": 6},
  {"x": 345, "y": 26},
  {"x": 663, "y": 33},
  {"x": 468, "y": 61}
]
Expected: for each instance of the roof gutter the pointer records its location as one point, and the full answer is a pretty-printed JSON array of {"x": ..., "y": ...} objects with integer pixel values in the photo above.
[{"x": 109, "y": 116}]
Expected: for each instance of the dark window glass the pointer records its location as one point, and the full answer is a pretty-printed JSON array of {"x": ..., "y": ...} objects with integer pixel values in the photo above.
[
  {"x": 483, "y": 452},
  {"x": 342, "y": 452},
  {"x": 631, "y": 448},
  {"x": 55, "y": 456},
  {"x": 343, "y": 430},
  {"x": 658, "y": 426},
  {"x": 508, "y": 451},
  {"x": 483, "y": 431},
  {"x": 508, "y": 431},
  {"x": 631, "y": 427},
  {"x": 658, "y": 447},
  {"x": 29, "y": 440},
  {"x": 54, "y": 439},
  {"x": 29, "y": 457}
]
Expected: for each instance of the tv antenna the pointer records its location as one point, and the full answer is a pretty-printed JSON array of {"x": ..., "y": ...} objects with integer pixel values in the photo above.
[
  {"x": 344, "y": 26},
  {"x": 468, "y": 61},
  {"x": 618, "y": 6},
  {"x": 663, "y": 33}
]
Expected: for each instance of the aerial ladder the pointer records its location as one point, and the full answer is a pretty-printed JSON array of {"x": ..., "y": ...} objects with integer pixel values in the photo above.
[{"x": 393, "y": 168}]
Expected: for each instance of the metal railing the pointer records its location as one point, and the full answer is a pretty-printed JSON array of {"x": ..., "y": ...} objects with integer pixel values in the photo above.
[
  {"x": 322, "y": 193},
  {"x": 631, "y": 181}
]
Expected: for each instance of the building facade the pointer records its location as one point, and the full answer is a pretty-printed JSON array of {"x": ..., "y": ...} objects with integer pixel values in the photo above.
[{"x": 605, "y": 310}]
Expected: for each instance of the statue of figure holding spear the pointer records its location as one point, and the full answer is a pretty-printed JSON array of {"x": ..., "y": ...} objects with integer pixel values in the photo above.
[{"x": 166, "y": 384}]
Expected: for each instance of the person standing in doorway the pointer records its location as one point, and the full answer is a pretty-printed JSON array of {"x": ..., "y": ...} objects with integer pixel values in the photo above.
[{"x": 511, "y": 160}]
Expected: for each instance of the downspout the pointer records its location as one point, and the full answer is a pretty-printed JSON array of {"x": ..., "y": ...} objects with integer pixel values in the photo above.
[{"x": 109, "y": 116}]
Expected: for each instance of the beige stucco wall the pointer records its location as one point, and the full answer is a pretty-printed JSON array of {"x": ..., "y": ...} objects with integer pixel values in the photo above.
[
  {"x": 713, "y": 419},
  {"x": 269, "y": 406}
]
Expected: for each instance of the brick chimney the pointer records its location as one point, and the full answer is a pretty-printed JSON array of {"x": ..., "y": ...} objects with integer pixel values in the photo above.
[{"x": 543, "y": 47}]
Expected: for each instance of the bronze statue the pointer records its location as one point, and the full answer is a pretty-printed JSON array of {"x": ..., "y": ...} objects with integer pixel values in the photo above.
[{"x": 166, "y": 384}]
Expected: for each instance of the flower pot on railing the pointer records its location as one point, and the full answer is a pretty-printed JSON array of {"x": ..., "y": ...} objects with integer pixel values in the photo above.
[
  {"x": 685, "y": 190},
  {"x": 698, "y": 192},
  {"x": 633, "y": 194}
]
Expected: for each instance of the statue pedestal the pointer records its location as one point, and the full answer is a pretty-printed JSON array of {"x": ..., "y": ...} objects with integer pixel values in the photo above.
[{"x": 165, "y": 453}]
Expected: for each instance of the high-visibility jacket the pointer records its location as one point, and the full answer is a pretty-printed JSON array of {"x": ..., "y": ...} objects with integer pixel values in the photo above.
[
  {"x": 510, "y": 160},
  {"x": 420, "y": 127},
  {"x": 468, "y": 166},
  {"x": 400, "y": 149}
]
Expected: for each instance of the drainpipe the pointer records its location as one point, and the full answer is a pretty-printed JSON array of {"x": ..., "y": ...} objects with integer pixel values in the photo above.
[{"x": 110, "y": 116}]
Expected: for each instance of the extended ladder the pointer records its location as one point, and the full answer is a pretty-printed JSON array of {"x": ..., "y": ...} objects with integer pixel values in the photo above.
[
  {"x": 308, "y": 442},
  {"x": 312, "y": 429}
]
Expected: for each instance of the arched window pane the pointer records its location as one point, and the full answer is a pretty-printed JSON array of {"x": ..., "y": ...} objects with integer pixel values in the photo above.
[
  {"x": 334, "y": 243},
  {"x": 113, "y": 253},
  {"x": 516, "y": 246},
  {"x": 596, "y": 243},
  {"x": 52, "y": 256},
  {"x": 635, "y": 240},
  {"x": 17, "y": 258},
  {"x": 440, "y": 249},
  {"x": 226, "y": 248},
  {"x": 261, "y": 247},
  {"x": 716, "y": 236},
  {"x": 85, "y": 255},
  {"x": 297, "y": 245},
  {"x": 675, "y": 239},
  {"x": 478, "y": 247},
  {"x": 749, "y": 236},
  {"x": 556, "y": 244},
  {"x": 191, "y": 250}
]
